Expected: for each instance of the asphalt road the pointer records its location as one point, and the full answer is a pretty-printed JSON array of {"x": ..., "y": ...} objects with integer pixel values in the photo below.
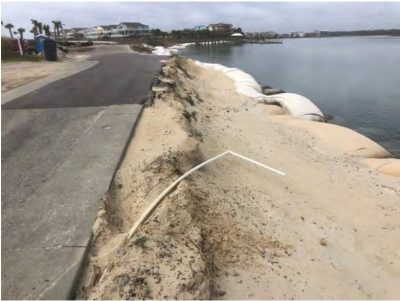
[
  {"x": 118, "y": 78},
  {"x": 61, "y": 145}
]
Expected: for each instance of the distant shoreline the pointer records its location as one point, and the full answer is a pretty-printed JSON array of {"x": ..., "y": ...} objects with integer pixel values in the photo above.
[{"x": 343, "y": 33}]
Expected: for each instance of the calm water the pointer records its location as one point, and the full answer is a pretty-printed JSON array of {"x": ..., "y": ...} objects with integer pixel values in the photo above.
[{"x": 355, "y": 79}]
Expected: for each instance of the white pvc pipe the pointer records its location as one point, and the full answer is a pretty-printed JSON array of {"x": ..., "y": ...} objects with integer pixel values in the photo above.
[
  {"x": 155, "y": 203},
  {"x": 257, "y": 163},
  {"x": 170, "y": 187}
]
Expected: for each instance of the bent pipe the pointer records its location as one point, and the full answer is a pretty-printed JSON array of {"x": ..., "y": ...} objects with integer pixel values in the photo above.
[
  {"x": 158, "y": 200},
  {"x": 170, "y": 187}
]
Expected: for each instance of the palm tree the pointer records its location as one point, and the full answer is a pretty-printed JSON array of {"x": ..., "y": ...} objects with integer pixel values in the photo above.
[
  {"x": 9, "y": 26},
  {"x": 21, "y": 32},
  {"x": 46, "y": 29},
  {"x": 54, "y": 28},
  {"x": 35, "y": 27},
  {"x": 60, "y": 27},
  {"x": 40, "y": 27},
  {"x": 57, "y": 26}
]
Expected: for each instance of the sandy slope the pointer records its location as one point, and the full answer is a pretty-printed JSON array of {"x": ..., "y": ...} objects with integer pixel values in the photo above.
[{"x": 328, "y": 229}]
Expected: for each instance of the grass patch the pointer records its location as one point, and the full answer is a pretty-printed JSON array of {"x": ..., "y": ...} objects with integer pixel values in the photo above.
[
  {"x": 141, "y": 242},
  {"x": 23, "y": 58}
]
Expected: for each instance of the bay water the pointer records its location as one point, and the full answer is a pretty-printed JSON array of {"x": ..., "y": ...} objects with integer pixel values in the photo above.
[{"x": 354, "y": 79}]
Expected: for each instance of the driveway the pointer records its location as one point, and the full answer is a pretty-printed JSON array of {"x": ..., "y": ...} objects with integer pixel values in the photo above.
[{"x": 61, "y": 145}]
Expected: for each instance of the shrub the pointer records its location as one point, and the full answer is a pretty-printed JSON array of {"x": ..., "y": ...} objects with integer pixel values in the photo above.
[{"x": 5, "y": 48}]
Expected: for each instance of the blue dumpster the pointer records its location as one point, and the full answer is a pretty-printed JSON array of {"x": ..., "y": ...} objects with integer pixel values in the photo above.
[{"x": 39, "y": 39}]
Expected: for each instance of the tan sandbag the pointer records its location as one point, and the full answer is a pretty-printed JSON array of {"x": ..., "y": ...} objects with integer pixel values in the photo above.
[
  {"x": 294, "y": 104},
  {"x": 390, "y": 166},
  {"x": 343, "y": 139}
]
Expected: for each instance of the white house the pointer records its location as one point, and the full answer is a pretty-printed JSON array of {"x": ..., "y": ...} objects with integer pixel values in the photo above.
[
  {"x": 74, "y": 33},
  {"x": 130, "y": 29},
  {"x": 297, "y": 34},
  {"x": 100, "y": 32},
  {"x": 220, "y": 27},
  {"x": 122, "y": 30}
]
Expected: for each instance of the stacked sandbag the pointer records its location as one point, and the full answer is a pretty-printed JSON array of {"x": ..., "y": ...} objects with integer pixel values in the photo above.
[
  {"x": 245, "y": 84},
  {"x": 296, "y": 105}
]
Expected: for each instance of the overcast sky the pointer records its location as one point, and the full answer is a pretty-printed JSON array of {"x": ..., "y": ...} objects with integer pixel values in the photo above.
[{"x": 257, "y": 16}]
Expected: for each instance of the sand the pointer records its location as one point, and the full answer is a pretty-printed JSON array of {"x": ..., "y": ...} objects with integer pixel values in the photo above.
[
  {"x": 233, "y": 230},
  {"x": 17, "y": 74}
]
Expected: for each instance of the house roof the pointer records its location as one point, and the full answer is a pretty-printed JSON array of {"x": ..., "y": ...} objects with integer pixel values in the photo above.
[
  {"x": 108, "y": 27},
  {"x": 78, "y": 28},
  {"x": 74, "y": 29},
  {"x": 132, "y": 24},
  {"x": 220, "y": 24}
]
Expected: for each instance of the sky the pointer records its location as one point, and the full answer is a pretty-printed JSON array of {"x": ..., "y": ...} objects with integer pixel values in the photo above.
[{"x": 281, "y": 17}]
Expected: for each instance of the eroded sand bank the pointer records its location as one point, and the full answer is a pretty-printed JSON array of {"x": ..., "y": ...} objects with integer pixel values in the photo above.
[{"x": 232, "y": 230}]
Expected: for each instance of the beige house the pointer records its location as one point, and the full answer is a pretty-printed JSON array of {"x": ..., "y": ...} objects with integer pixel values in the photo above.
[
  {"x": 220, "y": 27},
  {"x": 122, "y": 30}
]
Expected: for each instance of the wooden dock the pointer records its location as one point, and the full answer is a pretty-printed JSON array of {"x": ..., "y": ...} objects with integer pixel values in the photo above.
[{"x": 263, "y": 41}]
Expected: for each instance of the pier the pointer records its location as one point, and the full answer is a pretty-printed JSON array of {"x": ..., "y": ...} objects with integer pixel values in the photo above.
[{"x": 263, "y": 41}]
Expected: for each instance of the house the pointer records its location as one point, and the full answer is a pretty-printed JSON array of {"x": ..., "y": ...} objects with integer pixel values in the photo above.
[
  {"x": 200, "y": 27},
  {"x": 269, "y": 34},
  {"x": 264, "y": 34},
  {"x": 130, "y": 29},
  {"x": 90, "y": 34},
  {"x": 100, "y": 32},
  {"x": 122, "y": 30},
  {"x": 220, "y": 27},
  {"x": 297, "y": 34},
  {"x": 76, "y": 33},
  {"x": 105, "y": 30}
]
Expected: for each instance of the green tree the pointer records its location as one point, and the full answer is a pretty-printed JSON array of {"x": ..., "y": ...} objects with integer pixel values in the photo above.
[
  {"x": 5, "y": 48},
  {"x": 40, "y": 27},
  {"x": 35, "y": 27},
  {"x": 57, "y": 26},
  {"x": 238, "y": 30},
  {"x": 9, "y": 26},
  {"x": 156, "y": 32},
  {"x": 21, "y": 32},
  {"x": 46, "y": 29}
]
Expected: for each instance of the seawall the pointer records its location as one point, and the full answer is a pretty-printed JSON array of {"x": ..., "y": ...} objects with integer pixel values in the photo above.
[{"x": 342, "y": 139}]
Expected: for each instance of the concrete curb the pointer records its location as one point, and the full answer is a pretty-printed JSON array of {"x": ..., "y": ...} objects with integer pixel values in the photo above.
[{"x": 79, "y": 271}]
